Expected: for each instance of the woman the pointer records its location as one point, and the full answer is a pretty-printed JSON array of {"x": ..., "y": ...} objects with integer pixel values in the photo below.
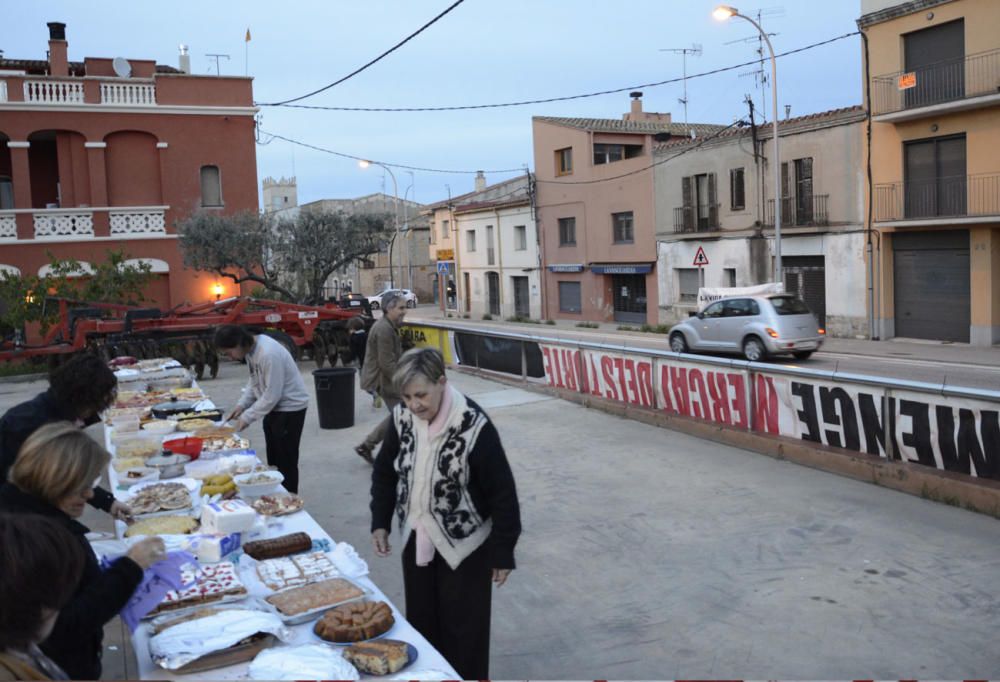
[
  {"x": 54, "y": 477},
  {"x": 275, "y": 393},
  {"x": 443, "y": 470}
]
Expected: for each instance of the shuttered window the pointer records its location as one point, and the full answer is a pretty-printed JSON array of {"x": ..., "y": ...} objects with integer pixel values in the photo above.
[{"x": 211, "y": 186}]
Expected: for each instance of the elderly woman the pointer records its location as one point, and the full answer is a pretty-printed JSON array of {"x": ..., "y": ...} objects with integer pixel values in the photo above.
[
  {"x": 443, "y": 470},
  {"x": 41, "y": 565},
  {"x": 54, "y": 477}
]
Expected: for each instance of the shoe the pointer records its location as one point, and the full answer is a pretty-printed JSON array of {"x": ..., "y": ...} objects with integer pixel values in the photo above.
[{"x": 365, "y": 452}]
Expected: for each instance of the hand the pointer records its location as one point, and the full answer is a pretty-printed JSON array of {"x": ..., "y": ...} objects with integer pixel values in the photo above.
[
  {"x": 237, "y": 411},
  {"x": 500, "y": 576},
  {"x": 240, "y": 425},
  {"x": 121, "y": 511},
  {"x": 380, "y": 541},
  {"x": 147, "y": 552}
]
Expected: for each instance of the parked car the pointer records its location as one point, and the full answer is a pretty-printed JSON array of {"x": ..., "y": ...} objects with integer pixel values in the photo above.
[
  {"x": 754, "y": 326},
  {"x": 408, "y": 296},
  {"x": 354, "y": 299}
]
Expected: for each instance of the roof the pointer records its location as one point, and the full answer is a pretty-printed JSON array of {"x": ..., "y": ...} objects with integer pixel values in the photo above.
[
  {"x": 512, "y": 191},
  {"x": 898, "y": 10},
  {"x": 40, "y": 67},
  {"x": 615, "y": 125}
]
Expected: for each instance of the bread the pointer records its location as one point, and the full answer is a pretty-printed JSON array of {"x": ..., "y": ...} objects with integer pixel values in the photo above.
[
  {"x": 314, "y": 596},
  {"x": 292, "y": 571},
  {"x": 279, "y": 546},
  {"x": 381, "y": 657},
  {"x": 355, "y": 622},
  {"x": 162, "y": 525}
]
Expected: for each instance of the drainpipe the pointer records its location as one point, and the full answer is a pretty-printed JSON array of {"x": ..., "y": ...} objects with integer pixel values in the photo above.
[
  {"x": 459, "y": 293},
  {"x": 496, "y": 213},
  {"x": 873, "y": 268}
]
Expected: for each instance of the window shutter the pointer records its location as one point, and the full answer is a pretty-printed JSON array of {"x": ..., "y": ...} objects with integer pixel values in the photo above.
[
  {"x": 785, "y": 181},
  {"x": 713, "y": 203},
  {"x": 211, "y": 189},
  {"x": 688, "y": 201}
]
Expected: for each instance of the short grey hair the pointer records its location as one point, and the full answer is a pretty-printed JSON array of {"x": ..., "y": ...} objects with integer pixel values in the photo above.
[
  {"x": 426, "y": 363},
  {"x": 392, "y": 299}
]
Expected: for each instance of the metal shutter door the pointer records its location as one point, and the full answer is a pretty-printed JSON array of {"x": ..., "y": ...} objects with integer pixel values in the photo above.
[
  {"x": 931, "y": 283},
  {"x": 805, "y": 276}
]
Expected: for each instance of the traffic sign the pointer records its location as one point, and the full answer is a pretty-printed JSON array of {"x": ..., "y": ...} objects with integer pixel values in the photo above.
[
  {"x": 700, "y": 259},
  {"x": 442, "y": 267}
]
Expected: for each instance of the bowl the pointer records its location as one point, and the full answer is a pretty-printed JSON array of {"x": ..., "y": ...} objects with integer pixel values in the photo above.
[
  {"x": 188, "y": 445},
  {"x": 169, "y": 466},
  {"x": 258, "y": 483},
  {"x": 160, "y": 426}
]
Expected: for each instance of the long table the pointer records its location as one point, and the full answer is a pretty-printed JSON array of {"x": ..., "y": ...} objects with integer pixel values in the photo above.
[{"x": 428, "y": 658}]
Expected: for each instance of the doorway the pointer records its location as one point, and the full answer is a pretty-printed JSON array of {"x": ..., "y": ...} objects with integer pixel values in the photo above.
[
  {"x": 522, "y": 304},
  {"x": 629, "y": 293}
]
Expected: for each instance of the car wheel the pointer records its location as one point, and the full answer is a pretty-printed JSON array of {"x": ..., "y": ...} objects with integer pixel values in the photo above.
[
  {"x": 802, "y": 354},
  {"x": 753, "y": 349},
  {"x": 678, "y": 344},
  {"x": 411, "y": 304}
]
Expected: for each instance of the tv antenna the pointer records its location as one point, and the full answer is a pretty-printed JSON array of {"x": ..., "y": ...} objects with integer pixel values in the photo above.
[
  {"x": 760, "y": 77},
  {"x": 694, "y": 51},
  {"x": 217, "y": 57}
]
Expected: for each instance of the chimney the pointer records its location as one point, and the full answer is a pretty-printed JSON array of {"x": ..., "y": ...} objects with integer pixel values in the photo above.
[
  {"x": 636, "y": 112},
  {"x": 184, "y": 60},
  {"x": 480, "y": 181},
  {"x": 58, "y": 59}
]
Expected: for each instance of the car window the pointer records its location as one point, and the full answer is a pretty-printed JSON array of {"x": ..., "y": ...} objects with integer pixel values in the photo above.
[
  {"x": 741, "y": 307},
  {"x": 789, "y": 305},
  {"x": 714, "y": 310}
]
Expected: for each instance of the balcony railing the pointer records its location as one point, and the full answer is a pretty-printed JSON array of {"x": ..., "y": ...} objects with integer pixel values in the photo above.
[
  {"x": 53, "y": 92},
  {"x": 145, "y": 220},
  {"x": 696, "y": 218},
  {"x": 8, "y": 226},
  {"x": 974, "y": 75},
  {"x": 3, "y": 91},
  {"x": 800, "y": 211},
  {"x": 61, "y": 223},
  {"x": 132, "y": 94},
  {"x": 956, "y": 196}
]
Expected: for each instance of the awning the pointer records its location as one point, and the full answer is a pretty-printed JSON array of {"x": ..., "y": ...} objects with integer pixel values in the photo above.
[
  {"x": 621, "y": 268},
  {"x": 566, "y": 267}
]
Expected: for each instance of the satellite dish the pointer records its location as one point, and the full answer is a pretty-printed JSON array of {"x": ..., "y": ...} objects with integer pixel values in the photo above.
[{"x": 121, "y": 66}]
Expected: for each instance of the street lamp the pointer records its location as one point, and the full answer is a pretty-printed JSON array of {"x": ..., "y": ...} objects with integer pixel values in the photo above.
[
  {"x": 406, "y": 231},
  {"x": 723, "y": 13},
  {"x": 364, "y": 163}
]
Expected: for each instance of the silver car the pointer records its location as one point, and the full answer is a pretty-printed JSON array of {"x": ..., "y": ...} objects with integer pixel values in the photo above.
[{"x": 755, "y": 326}]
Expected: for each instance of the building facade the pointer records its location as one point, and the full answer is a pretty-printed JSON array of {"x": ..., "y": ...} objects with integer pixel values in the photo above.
[
  {"x": 110, "y": 154},
  {"x": 717, "y": 195},
  {"x": 934, "y": 96}
]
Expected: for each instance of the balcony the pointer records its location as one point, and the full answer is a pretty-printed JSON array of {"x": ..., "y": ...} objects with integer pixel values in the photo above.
[
  {"x": 704, "y": 218},
  {"x": 70, "y": 92},
  {"x": 51, "y": 91},
  {"x": 802, "y": 211},
  {"x": 952, "y": 85},
  {"x": 72, "y": 224},
  {"x": 952, "y": 197},
  {"x": 128, "y": 94}
]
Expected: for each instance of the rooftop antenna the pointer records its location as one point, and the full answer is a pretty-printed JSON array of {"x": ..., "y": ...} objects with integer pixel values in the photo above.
[
  {"x": 217, "y": 57},
  {"x": 694, "y": 51},
  {"x": 760, "y": 73}
]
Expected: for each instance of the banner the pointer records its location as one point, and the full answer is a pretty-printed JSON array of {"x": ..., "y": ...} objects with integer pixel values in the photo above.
[
  {"x": 708, "y": 295},
  {"x": 430, "y": 337}
]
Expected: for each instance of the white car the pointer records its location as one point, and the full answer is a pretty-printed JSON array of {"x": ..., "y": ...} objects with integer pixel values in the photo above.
[{"x": 408, "y": 296}]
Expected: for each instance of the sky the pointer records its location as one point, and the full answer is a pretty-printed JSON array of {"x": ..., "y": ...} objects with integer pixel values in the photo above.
[{"x": 482, "y": 52}]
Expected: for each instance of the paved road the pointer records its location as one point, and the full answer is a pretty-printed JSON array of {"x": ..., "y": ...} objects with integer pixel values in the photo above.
[{"x": 649, "y": 554}]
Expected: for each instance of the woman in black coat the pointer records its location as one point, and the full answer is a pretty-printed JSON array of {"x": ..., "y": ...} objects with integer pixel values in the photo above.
[{"x": 54, "y": 477}]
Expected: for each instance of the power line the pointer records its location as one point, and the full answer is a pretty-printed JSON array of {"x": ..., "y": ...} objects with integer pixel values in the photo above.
[
  {"x": 379, "y": 58},
  {"x": 275, "y": 136},
  {"x": 548, "y": 100}
]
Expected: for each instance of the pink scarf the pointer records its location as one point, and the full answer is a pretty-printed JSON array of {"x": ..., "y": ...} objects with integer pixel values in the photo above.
[{"x": 425, "y": 548}]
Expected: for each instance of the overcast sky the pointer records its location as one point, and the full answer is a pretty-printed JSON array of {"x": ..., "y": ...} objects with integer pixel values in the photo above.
[{"x": 484, "y": 51}]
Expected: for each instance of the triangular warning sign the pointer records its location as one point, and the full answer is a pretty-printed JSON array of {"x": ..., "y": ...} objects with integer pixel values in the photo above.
[{"x": 700, "y": 258}]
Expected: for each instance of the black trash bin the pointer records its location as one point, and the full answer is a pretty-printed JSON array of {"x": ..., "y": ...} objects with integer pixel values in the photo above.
[{"x": 335, "y": 397}]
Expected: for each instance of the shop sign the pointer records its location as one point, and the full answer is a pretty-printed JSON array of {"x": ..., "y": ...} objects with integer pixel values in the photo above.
[
  {"x": 578, "y": 267},
  {"x": 446, "y": 254},
  {"x": 621, "y": 269}
]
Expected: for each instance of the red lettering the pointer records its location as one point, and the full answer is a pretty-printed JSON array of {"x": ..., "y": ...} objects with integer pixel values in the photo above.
[
  {"x": 668, "y": 405},
  {"x": 547, "y": 364},
  {"x": 646, "y": 384},
  {"x": 558, "y": 368},
  {"x": 569, "y": 369},
  {"x": 739, "y": 401},
  {"x": 607, "y": 368},
  {"x": 620, "y": 366},
  {"x": 633, "y": 395},
  {"x": 678, "y": 382},
  {"x": 718, "y": 389},
  {"x": 696, "y": 380},
  {"x": 595, "y": 378},
  {"x": 765, "y": 415}
]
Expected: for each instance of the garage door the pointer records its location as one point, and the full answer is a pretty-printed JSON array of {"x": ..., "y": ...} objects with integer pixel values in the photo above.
[
  {"x": 931, "y": 280},
  {"x": 805, "y": 276}
]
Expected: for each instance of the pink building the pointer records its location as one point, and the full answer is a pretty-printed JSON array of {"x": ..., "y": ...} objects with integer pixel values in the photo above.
[{"x": 595, "y": 213}]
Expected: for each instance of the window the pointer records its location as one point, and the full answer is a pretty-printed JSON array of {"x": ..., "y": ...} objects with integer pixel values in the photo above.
[
  {"x": 520, "y": 238},
  {"x": 564, "y": 161},
  {"x": 211, "y": 186},
  {"x": 797, "y": 192},
  {"x": 567, "y": 231},
  {"x": 715, "y": 310},
  {"x": 737, "y": 192},
  {"x": 609, "y": 153},
  {"x": 687, "y": 284},
  {"x": 741, "y": 307},
  {"x": 470, "y": 240},
  {"x": 701, "y": 207},
  {"x": 935, "y": 182},
  {"x": 622, "y": 224},
  {"x": 729, "y": 277},
  {"x": 444, "y": 229},
  {"x": 569, "y": 297},
  {"x": 433, "y": 233},
  {"x": 788, "y": 305},
  {"x": 6, "y": 193},
  {"x": 490, "y": 251}
]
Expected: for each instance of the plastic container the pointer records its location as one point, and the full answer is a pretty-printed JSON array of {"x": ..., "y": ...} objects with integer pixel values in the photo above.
[
  {"x": 257, "y": 489},
  {"x": 189, "y": 445},
  {"x": 335, "y": 397},
  {"x": 160, "y": 427}
]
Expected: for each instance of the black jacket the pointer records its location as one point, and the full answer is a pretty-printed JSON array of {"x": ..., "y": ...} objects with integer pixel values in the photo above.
[
  {"x": 22, "y": 420},
  {"x": 75, "y": 642}
]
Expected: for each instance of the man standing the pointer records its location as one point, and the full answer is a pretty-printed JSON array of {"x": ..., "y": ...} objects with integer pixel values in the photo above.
[
  {"x": 275, "y": 393},
  {"x": 381, "y": 355}
]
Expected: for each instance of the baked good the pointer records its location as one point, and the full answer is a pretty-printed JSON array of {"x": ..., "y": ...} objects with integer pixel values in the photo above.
[
  {"x": 278, "y": 505},
  {"x": 292, "y": 571},
  {"x": 314, "y": 596},
  {"x": 162, "y": 525},
  {"x": 354, "y": 622},
  {"x": 381, "y": 657},
  {"x": 205, "y": 584},
  {"x": 124, "y": 463},
  {"x": 218, "y": 443},
  {"x": 161, "y": 497},
  {"x": 215, "y": 432},
  {"x": 293, "y": 543}
]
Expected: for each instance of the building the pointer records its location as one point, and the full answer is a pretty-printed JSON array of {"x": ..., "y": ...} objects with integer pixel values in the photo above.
[
  {"x": 934, "y": 96},
  {"x": 280, "y": 194},
  {"x": 595, "y": 213},
  {"x": 111, "y": 153},
  {"x": 716, "y": 194}
]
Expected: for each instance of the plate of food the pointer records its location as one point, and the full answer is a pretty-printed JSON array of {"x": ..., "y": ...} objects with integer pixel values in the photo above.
[
  {"x": 293, "y": 571},
  {"x": 160, "y": 427},
  {"x": 206, "y": 584},
  {"x": 284, "y": 545},
  {"x": 308, "y": 602},
  {"x": 278, "y": 505},
  {"x": 382, "y": 657},
  {"x": 162, "y": 525},
  {"x": 356, "y": 621},
  {"x": 160, "y": 497},
  {"x": 194, "y": 424}
]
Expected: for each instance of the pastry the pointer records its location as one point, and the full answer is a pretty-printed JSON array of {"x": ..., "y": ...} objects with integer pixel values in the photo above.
[
  {"x": 278, "y": 505},
  {"x": 218, "y": 443},
  {"x": 137, "y": 448},
  {"x": 354, "y": 622},
  {"x": 284, "y": 545},
  {"x": 162, "y": 525},
  {"x": 215, "y": 432},
  {"x": 123, "y": 463},
  {"x": 205, "y": 584},
  {"x": 292, "y": 571},
  {"x": 381, "y": 657},
  {"x": 314, "y": 596},
  {"x": 161, "y": 497},
  {"x": 194, "y": 424}
]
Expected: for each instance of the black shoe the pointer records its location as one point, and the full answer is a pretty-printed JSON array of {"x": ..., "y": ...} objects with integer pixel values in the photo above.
[{"x": 365, "y": 452}]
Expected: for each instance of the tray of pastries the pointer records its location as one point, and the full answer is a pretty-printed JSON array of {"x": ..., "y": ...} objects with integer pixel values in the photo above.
[
  {"x": 283, "y": 545},
  {"x": 220, "y": 444},
  {"x": 208, "y": 584},
  {"x": 161, "y": 497},
  {"x": 381, "y": 657},
  {"x": 292, "y": 571},
  {"x": 215, "y": 432},
  {"x": 194, "y": 424},
  {"x": 305, "y": 603},
  {"x": 162, "y": 525},
  {"x": 278, "y": 505},
  {"x": 355, "y": 622}
]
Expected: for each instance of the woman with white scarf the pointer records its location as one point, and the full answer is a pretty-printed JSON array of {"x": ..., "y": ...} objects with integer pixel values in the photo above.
[{"x": 443, "y": 470}]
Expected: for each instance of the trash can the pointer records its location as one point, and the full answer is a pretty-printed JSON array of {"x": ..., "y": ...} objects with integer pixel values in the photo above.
[{"x": 335, "y": 397}]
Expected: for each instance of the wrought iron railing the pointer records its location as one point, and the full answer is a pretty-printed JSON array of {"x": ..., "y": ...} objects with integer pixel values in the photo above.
[
  {"x": 974, "y": 75},
  {"x": 809, "y": 209},
  {"x": 696, "y": 219},
  {"x": 953, "y": 196}
]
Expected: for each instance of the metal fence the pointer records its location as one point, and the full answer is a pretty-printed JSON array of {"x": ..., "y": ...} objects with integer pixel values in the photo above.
[
  {"x": 974, "y": 75},
  {"x": 945, "y": 197},
  {"x": 800, "y": 211},
  {"x": 687, "y": 218}
]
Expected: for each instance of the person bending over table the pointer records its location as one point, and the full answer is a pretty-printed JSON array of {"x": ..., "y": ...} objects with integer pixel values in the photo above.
[
  {"x": 443, "y": 470},
  {"x": 275, "y": 392},
  {"x": 78, "y": 392},
  {"x": 54, "y": 477}
]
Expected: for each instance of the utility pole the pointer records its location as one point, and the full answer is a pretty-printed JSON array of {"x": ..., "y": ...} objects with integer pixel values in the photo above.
[{"x": 695, "y": 51}]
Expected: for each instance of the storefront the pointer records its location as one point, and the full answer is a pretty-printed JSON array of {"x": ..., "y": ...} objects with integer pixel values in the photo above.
[{"x": 628, "y": 289}]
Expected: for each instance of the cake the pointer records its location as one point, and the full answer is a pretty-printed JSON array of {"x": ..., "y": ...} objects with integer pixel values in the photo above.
[
  {"x": 283, "y": 545},
  {"x": 292, "y": 571},
  {"x": 355, "y": 622},
  {"x": 205, "y": 584},
  {"x": 314, "y": 596},
  {"x": 381, "y": 657},
  {"x": 162, "y": 525}
]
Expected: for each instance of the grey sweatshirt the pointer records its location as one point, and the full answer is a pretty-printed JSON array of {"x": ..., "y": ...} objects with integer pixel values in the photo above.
[{"x": 275, "y": 383}]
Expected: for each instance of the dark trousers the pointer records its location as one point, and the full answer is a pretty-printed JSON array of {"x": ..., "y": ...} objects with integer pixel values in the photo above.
[
  {"x": 452, "y": 608},
  {"x": 282, "y": 433}
]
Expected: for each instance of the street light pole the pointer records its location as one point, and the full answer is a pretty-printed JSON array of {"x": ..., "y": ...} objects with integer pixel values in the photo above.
[
  {"x": 364, "y": 163},
  {"x": 406, "y": 230},
  {"x": 722, "y": 13}
]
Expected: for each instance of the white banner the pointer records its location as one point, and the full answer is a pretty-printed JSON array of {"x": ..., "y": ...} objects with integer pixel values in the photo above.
[{"x": 707, "y": 295}]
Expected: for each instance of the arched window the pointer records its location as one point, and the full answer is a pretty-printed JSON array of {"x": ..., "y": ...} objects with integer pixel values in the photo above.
[
  {"x": 211, "y": 186},
  {"x": 6, "y": 192}
]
